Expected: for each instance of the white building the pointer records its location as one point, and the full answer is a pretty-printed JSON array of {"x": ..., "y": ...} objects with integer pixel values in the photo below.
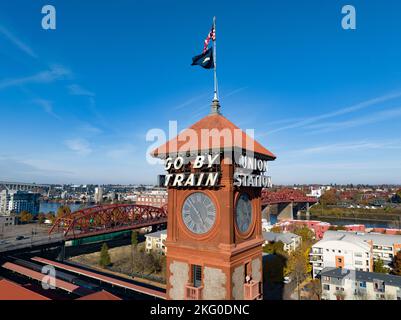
[
  {"x": 343, "y": 284},
  {"x": 5, "y": 222},
  {"x": 384, "y": 246},
  {"x": 98, "y": 194},
  {"x": 290, "y": 240},
  {"x": 155, "y": 242},
  {"x": 344, "y": 251},
  {"x": 4, "y": 200}
]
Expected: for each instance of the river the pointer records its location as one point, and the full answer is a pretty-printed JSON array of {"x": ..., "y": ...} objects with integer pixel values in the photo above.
[
  {"x": 47, "y": 207},
  {"x": 346, "y": 221}
]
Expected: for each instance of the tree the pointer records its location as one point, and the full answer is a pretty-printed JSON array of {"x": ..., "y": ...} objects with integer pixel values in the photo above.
[
  {"x": 104, "y": 256},
  {"x": 397, "y": 264},
  {"x": 276, "y": 229},
  {"x": 297, "y": 267},
  {"x": 305, "y": 233},
  {"x": 50, "y": 216},
  {"x": 329, "y": 197},
  {"x": 274, "y": 248},
  {"x": 134, "y": 238},
  {"x": 336, "y": 228},
  {"x": 378, "y": 266},
  {"x": 25, "y": 216},
  {"x": 63, "y": 211},
  {"x": 41, "y": 217},
  {"x": 134, "y": 246},
  {"x": 315, "y": 288}
]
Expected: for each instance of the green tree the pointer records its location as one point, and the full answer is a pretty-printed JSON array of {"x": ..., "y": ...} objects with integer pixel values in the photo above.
[
  {"x": 134, "y": 238},
  {"x": 104, "y": 260},
  {"x": 397, "y": 264},
  {"x": 378, "y": 266}
]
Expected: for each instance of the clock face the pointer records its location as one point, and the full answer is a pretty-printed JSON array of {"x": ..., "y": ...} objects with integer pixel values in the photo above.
[
  {"x": 243, "y": 213},
  {"x": 198, "y": 213}
]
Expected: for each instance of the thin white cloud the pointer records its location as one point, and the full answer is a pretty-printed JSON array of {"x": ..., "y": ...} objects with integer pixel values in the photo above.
[
  {"x": 18, "y": 43},
  {"x": 373, "y": 118},
  {"x": 47, "y": 107},
  {"x": 87, "y": 127},
  {"x": 336, "y": 148},
  {"x": 339, "y": 112},
  {"x": 77, "y": 90},
  {"x": 54, "y": 73},
  {"x": 121, "y": 152},
  {"x": 80, "y": 146}
]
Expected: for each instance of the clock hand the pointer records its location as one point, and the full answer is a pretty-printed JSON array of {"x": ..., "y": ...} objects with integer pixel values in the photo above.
[{"x": 197, "y": 212}]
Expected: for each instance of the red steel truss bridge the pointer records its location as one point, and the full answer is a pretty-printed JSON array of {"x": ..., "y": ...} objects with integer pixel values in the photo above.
[{"x": 104, "y": 219}]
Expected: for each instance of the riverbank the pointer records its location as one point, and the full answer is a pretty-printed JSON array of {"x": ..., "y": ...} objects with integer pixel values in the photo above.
[{"x": 382, "y": 214}]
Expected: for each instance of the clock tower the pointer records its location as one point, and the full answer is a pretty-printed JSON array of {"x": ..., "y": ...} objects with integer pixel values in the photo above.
[{"x": 215, "y": 174}]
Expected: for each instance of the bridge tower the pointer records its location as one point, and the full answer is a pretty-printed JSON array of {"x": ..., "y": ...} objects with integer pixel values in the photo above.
[{"x": 215, "y": 174}]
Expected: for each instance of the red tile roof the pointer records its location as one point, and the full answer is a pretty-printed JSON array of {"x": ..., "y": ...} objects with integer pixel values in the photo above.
[
  {"x": 60, "y": 284},
  {"x": 100, "y": 295},
  {"x": 230, "y": 137},
  {"x": 13, "y": 291}
]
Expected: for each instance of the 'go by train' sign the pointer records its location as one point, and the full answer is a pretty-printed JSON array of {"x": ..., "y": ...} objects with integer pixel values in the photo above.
[{"x": 204, "y": 171}]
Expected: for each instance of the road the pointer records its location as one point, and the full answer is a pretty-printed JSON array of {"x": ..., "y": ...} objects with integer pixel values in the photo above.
[{"x": 34, "y": 235}]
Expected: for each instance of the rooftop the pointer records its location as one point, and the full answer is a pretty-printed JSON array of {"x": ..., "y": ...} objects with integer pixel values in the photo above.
[
  {"x": 377, "y": 238},
  {"x": 13, "y": 291},
  {"x": 100, "y": 295},
  {"x": 286, "y": 237},
  {"x": 388, "y": 279},
  {"x": 229, "y": 137},
  {"x": 156, "y": 234}
]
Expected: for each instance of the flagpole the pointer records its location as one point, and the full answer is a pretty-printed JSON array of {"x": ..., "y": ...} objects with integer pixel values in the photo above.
[{"x": 216, "y": 95}]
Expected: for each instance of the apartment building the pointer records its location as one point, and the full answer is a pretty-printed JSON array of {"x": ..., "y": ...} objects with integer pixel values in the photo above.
[
  {"x": 290, "y": 240},
  {"x": 155, "y": 198},
  {"x": 16, "y": 201},
  {"x": 343, "y": 284},
  {"x": 384, "y": 246},
  {"x": 343, "y": 251},
  {"x": 155, "y": 242}
]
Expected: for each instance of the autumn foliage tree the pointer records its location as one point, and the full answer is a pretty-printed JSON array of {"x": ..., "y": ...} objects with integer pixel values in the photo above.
[
  {"x": 397, "y": 264},
  {"x": 63, "y": 211},
  {"x": 329, "y": 197},
  {"x": 25, "y": 216}
]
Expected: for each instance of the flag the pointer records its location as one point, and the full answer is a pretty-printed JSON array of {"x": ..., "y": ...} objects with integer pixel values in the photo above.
[
  {"x": 211, "y": 35},
  {"x": 204, "y": 60}
]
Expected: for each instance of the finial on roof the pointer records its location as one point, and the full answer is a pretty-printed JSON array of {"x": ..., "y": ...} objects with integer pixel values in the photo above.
[{"x": 215, "y": 107}]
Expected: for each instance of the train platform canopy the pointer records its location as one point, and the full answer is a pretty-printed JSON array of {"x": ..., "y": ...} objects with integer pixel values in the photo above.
[
  {"x": 195, "y": 137},
  {"x": 13, "y": 291},
  {"x": 100, "y": 295}
]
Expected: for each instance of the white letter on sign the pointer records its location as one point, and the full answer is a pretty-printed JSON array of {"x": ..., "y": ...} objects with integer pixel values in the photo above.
[
  {"x": 212, "y": 160},
  {"x": 199, "y": 161}
]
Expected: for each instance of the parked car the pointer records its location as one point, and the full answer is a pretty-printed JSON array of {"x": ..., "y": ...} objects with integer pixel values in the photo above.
[
  {"x": 19, "y": 238},
  {"x": 287, "y": 280}
]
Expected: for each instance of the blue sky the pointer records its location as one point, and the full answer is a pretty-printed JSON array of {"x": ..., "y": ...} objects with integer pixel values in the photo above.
[{"x": 77, "y": 102}]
